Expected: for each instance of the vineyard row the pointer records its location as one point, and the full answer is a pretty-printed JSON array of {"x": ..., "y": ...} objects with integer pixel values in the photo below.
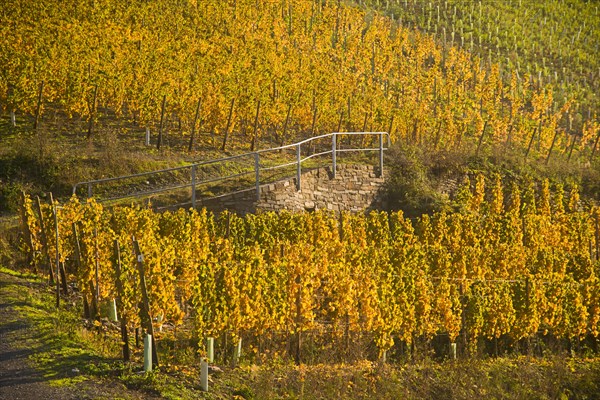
[{"x": 507, "y": 265}]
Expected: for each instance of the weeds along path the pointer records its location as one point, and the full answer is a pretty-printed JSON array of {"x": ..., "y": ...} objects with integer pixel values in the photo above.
[{"x": 21, "y": 339}]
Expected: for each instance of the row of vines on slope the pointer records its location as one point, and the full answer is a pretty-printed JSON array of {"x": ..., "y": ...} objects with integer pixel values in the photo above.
[
  {"x": 511, "y": 268},
  {"x": 554, "y": 41},
  {"x": 295, "y": 67}
]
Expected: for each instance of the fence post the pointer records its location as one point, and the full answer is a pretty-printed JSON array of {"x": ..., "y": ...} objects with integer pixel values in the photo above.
[
  {"x": 333, "y": 153},
  {"x": 194, "y": 186},
  {"x": 257, "y": 174},
  {"x": 89, "y": 190},
  {"x": 298, "y": 167},
  {"x": 381, "y": 155}
]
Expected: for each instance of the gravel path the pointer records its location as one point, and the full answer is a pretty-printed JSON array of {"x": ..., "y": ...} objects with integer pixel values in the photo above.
[{"x": 19, "y": 380}]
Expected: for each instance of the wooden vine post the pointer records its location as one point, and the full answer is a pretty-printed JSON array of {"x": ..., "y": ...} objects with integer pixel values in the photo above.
[
  {"x": 193, "y": 133},
  {"x": 145, "y": 304},
  {"x": 298, "y": 342},
  {"x": 44, "y": 239},
  {"x": 391, "y": 125},
  {"x": 535, "y": 130},
  {"x": 87, "y": 312},
  {"x": 96, "y": 291},
  {"x": 162, "y": 122},
  {"x": 347, "y": 316},
  {"x": 255, "y": 131},
  {"x": 226, "y": 133},
  {"x": 552, "y": 146},
  {"x": 485, "y": 124},
  {"x": 57, "y": 258},
  {"x": 60, "y": 265},
  {"x": 572, "y": 146},
  {"x": 595, "y": 146},
  {"x": 92, "y": 112},
  {"x": 285, "y": 124},
  {"x": 27, "y": 232},
  {"x": 314, "y": 122},
  {"x": 120, "y": 296},
  {"x": 597, "y": 234},
  {"x": 38, "y": 109}
]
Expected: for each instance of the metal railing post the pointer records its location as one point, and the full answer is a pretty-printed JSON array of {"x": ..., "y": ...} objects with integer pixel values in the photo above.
[
  {"x": 89, "y": 190},
  {"x": 298, "y": 167},
  {"x": 194, "y": 186},
  {"x": 333, "y": 154},
  {"x": 257, "y": 175},
  {"x": 381, "y": 155}
]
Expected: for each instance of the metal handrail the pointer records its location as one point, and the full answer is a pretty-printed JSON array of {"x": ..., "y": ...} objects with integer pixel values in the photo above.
[{"x": 257, "y": 167}]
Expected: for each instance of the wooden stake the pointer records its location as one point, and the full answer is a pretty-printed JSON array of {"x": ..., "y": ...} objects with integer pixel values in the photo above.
[
  {"x": 162, "y": 121},
  {"x": 57, "y": 258},
  {"x": 92, "y": 113},
  {"x": 27, "y": 231},
  {"x": 572, "y": 146},
  {"x": 314, "y": 122},
  {"x": 193, "y": 134},
  {"x": 255, "y": 131},
  {"x": 595, "y": 146},
  {"x": 44, "y": 239},
  {"x": 509, "y": 134},
  {"x": 391, "y": 125},
  {"x": 96, "y": 293},
  {"x": 349, "y": 119},
  {"x": 120, "y": 296},
  {"x": 226, "y": 134},
  {"x": 285, "y": 124},
  {"x": 482, "y": 135},
  {"x": 145, "y": 316},
  {"x": 552, "y": 146},
  {"x": 438, "y": 136},
  {"x": 38, "y": 109},
  {"x": 531, "y": 139},
  {"x": 63, "y": 278},
  {"x": 298, "y": 343},
  {"x": 597, "y": 235},
  {"x": 77, "y": 249}
]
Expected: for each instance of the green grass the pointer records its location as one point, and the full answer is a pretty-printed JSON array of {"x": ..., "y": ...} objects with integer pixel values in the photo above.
[
  {"x": 68, "y": 351},
  {"x": 20, "y": 274}
]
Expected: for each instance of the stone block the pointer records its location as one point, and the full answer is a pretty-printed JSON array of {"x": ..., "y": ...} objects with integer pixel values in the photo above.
[{"x": 309, "y": 204}]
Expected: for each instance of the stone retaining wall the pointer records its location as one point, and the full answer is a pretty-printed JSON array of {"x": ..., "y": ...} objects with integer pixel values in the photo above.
[{"x": 355, "y": 188}]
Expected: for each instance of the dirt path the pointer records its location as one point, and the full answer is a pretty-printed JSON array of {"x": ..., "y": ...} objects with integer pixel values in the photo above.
[{"x": 19, "y": 378}]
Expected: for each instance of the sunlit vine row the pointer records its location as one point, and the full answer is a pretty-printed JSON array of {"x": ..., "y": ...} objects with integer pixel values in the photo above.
[{"x": 504, "y": 263}]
